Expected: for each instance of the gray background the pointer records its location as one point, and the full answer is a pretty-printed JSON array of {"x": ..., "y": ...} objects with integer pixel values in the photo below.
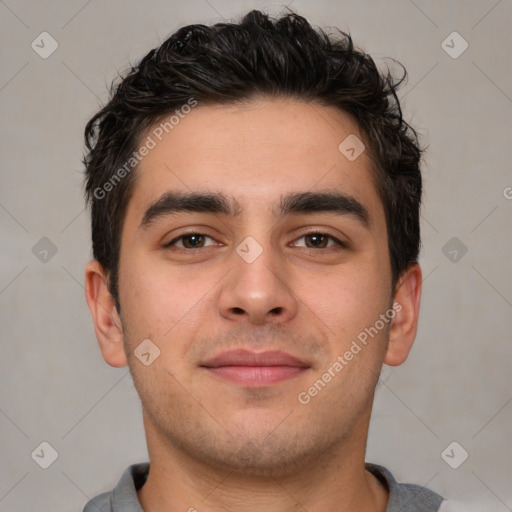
[{"x": 56, "y": 387}]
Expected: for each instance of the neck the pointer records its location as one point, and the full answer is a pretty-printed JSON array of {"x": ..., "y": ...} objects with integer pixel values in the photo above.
[{"x": 336, "y": 480}]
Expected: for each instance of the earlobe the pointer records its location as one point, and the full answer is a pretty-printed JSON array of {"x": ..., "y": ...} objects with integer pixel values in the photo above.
[
  {"x": 405, "y": 323},
  {"x": 107, "y": 323}
]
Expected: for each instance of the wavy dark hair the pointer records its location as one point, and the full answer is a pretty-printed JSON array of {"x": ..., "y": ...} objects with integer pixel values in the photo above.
[{"x": 231, "y": 62}]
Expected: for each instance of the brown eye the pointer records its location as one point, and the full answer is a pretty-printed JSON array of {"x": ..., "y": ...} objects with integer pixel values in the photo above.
[
  {"x": 189, "y": 241},
  {"x": 319, "y": 241}
]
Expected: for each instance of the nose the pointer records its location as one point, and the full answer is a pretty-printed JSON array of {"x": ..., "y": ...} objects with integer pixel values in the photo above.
[{"x": 258, "y": 291}]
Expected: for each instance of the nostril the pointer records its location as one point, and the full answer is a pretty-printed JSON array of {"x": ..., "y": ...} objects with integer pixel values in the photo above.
[
  {"x": 238, "y": 311},
  {"x": 276, "y": 311}
]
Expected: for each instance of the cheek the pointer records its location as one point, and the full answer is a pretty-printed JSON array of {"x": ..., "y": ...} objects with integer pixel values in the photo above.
[
  {"x": 148, "y": 303},
  {"x": 159, "y": 301},
  {"x": 347, "y": 301}
]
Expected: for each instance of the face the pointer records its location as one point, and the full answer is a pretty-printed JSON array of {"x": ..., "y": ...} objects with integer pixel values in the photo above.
[{"x": 256, "y": 289}]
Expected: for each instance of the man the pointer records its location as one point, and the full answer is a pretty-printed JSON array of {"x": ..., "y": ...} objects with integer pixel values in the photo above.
[{"x": 255, "y": 202}]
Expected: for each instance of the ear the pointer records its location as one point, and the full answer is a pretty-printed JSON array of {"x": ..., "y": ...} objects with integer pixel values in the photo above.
[
  {"x": 107, "y": 322},
  {"x": 406, "y": 305}
]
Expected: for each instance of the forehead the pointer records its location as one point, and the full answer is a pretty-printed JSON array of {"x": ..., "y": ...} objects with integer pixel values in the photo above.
[{"x": 256, "y": 152}]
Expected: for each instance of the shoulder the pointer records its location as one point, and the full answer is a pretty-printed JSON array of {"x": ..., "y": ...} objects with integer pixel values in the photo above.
[
  {"x": 100, "y": 503},
  {"x": 402, "y": 496},
  {"x": 459, "y": 506},
  {"x": 123, "y": 498}
]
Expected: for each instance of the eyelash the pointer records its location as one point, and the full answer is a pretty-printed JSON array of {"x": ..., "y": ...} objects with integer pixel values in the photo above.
[{"x": 337, "y": 241}]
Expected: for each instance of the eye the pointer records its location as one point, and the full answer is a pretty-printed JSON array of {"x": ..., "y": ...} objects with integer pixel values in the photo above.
[
  {"x": 314, "y": 240},
  {"x": 319, "y": 241},
  {"x": 189, "y": 241}
]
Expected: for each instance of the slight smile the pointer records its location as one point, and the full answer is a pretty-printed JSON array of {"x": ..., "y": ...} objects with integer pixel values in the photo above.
[{"x": 255, "y": 369}]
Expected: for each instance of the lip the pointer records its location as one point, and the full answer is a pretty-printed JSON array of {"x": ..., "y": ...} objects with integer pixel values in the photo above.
[
  {"x": 255, "y": 369},
  {"x": 243, "y": 357}
]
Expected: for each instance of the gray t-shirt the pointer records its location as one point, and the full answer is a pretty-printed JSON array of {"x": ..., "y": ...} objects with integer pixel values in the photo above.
[{"x": 402, "y": 497}]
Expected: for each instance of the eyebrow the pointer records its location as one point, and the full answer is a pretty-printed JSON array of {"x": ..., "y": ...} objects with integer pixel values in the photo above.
[{"x": 218, "y": 203}]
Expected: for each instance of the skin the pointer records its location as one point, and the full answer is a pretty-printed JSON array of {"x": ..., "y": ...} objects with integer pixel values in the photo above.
[{"x": 218, "y": 445}]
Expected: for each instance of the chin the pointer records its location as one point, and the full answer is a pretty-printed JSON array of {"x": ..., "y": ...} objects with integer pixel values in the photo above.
[{"x": 263, "y": 455}]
